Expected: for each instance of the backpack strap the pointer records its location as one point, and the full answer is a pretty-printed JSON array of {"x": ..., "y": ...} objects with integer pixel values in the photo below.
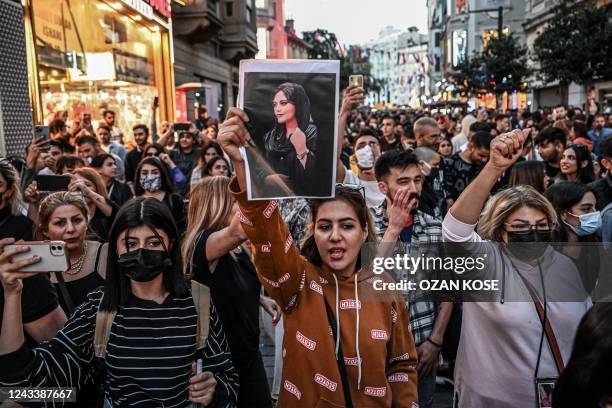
[
  {"x": 104, "y": 321},
  {"x": 201, "y": 300}
]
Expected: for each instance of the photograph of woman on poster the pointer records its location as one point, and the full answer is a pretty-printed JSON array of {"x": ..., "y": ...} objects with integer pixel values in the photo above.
[{"x": 290, "y": 147}]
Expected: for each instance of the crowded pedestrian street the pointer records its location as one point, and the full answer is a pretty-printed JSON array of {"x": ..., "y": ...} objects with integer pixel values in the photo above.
[{"x": 306, "y": 204}]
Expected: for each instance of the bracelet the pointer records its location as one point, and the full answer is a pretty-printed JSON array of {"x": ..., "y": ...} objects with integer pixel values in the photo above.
[{"x": 433, "y": 342}]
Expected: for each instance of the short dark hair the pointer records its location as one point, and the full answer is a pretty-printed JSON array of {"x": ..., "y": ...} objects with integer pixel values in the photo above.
[
  {"x": 551, "y": 134},
  {"x": 560, "y": 105},
  {"x": 141, "y": 126},
  {"x": 98, "y": 161},
  {"x": 480, "y": 127},
  {"x": 104, "y": 126},
  {"x": 482, "y": 140},
  {"x": 107, "y": 111},
  {"x": 68, "y": 161},
  {"x": 393, "y": 159},
  {"x": 606, "y": 148},
  {"x": 57, "y": 143},
  {"x": 580, "y": 129},
  {"x": 81, "y": 140},
  {"x": 56, "y": 125},
  {"x": 387, "y": 116},
  {"x": 501, "y": 116}
]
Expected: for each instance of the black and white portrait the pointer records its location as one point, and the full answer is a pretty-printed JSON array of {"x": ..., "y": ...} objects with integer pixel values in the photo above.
[{"x": 292, "y": 109}]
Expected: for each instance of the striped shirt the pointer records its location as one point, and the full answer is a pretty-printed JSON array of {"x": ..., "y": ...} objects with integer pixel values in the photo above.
[{"x": 149, "y": 355}]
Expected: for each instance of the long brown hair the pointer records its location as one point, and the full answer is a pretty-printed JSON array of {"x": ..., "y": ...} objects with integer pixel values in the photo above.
[
  {"x": 93, "y": 176},
  {"x": 210, "y": 206},
  {"x": 529, "y": 172},
  {"x": 355, "y": 200},
  {"x": 51, "y": 203},
  {"x": 503, "y": 204}
]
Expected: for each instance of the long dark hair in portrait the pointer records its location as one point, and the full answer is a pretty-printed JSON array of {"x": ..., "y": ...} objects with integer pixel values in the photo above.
[
  {"x": 296, "y": 95},
  {"x": 156, "y": 215},
  {"x": 587, "y": 379}
]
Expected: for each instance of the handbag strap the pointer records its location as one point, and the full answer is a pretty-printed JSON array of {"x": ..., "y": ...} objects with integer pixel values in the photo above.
[
  {"x": 64, "y": 292},
  {"x": 348, "y": 402},
  {"x": 550, "y": 334}
]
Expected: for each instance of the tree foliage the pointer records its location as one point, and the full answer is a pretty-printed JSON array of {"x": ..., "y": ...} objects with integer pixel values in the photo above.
[
  {"x": 325, "y": 46},
  {"x": 577, "y": 45},
  {"x": 500, "y": 67}
]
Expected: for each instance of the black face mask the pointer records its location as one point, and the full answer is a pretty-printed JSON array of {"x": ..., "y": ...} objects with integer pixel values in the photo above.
[
  {"x": 143, "y": 265},
  {"x": 530, "y": 245}
]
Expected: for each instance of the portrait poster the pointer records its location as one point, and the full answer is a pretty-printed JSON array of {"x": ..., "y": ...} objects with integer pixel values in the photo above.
[{"x": 292, "y": 107}]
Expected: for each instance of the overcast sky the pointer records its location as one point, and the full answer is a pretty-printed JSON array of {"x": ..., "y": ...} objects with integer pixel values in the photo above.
[{"x": 356, "y": 21}]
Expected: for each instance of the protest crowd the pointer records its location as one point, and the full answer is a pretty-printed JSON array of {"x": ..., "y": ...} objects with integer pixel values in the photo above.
[{"x": 172, "y": 270}]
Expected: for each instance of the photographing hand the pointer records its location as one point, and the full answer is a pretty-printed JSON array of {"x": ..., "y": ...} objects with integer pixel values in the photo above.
[
  {"x": 201, "y": 386},
  {"x": 9, "y": 270},
  {"x": 32, "y": 194},
  {"x": 352, "y": 95}
]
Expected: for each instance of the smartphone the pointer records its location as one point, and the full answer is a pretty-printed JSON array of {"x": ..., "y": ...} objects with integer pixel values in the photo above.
[
  {"x": 53, "y": 256},
  {"x": 356, "y": 80},
  {"x": 182, "y": 127},
  {"x": 41, "y": 132},
  {"x": 52, "y": 182}
]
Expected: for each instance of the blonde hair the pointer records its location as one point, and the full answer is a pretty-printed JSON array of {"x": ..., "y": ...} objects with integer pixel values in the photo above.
[
  {"x": 93, "y": 176},
  {"x": 51, "y": 203},
  {"x": 15, "y": 201},
  {"x": 505, "y": 203},
  {"x": 210, "y": 205}
]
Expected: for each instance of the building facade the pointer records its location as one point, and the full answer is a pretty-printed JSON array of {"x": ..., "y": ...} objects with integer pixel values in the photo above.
[
  {"x": 272, "y": 39},
  {"x": 210, "y": 39},
  {"x": 91, "y": 55},
  {"x": 537, "y": 15},
  {"x": 400, "y": 67}
]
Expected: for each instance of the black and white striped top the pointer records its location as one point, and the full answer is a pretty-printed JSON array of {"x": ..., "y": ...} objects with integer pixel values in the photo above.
[{"x": 149, "y": 355}]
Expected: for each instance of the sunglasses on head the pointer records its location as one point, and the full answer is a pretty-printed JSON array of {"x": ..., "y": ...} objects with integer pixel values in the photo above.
[{"x": 352, "y": 187}]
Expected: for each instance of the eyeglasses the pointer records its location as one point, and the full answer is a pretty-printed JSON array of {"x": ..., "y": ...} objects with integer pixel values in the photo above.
[
  {"x": 528, "y": 227},
  {"x": 353, "y": 187}
]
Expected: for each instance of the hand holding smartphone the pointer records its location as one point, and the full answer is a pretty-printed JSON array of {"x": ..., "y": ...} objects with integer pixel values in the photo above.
[
  {"x": 356, "y": 80},
  {"x": 52, "y": 254}
]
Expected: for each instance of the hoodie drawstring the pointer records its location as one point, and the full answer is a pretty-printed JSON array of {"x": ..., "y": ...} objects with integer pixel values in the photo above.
[
  {"x": 337, "y": 316},
  {"x": 357, "y": 333}
]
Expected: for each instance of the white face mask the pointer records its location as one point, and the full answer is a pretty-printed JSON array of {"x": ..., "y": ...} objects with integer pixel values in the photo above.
[
  {"x": 365, "y": 157},
  {"x": 89, "y": 160}
]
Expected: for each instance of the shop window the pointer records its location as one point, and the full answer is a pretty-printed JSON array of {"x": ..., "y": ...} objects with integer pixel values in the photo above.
[
  {"x": 90, "y": 57},
  {"x": 249, "y": 11},
  {"x": 229, "y": 9}
]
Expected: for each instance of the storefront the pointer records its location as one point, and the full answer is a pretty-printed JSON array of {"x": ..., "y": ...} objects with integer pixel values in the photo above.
[{"x": 87, "y": 56}]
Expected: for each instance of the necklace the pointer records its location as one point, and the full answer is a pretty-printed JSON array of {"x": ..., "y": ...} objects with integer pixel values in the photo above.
[{"x": 77, "y": 267}]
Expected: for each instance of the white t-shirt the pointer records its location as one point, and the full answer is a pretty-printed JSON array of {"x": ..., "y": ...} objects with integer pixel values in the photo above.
[{"x": 373, "y": 195}]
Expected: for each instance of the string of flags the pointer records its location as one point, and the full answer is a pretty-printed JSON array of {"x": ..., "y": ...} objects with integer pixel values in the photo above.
[{"x": 399, "y": 57}]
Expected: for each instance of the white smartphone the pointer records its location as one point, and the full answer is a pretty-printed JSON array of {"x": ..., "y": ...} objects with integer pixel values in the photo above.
[
  {"x": 53, "y": 256},
  {"x": 356, "y": 80}
]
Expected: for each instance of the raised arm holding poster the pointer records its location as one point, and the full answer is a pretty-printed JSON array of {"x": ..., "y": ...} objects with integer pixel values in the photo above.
[{"x": 293, "y": 109}]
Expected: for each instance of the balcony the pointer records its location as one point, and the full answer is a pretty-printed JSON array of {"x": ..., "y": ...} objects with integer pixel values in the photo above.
[{"x": 198, "y": 21}]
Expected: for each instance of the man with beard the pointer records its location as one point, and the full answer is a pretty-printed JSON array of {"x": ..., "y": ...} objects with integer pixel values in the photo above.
[
  {"x": 141, "y": 137},
  {"x": 599, "y": 133},
  {"x": 399, "y": 172},
  {"x": 551, "y": 145}
]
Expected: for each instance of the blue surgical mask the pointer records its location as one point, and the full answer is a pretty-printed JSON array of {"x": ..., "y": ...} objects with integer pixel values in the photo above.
[{"x": 589, "y": 223}]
